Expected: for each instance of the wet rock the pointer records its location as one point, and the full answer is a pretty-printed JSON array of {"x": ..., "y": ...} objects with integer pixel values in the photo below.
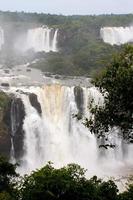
[
  {"x": 22, "y": 92},
  {"x": 57, "y": 77},
  {"x": 28, "y": 70},
  {"x": 13, "y": 118},
  {"x": 5, "y": 84},
  {"x": 34, "y": 102},
  {"x": 5, "y": 142},
  {"x": 78, "y": 92},
  {"x": 7, "y": 71}
]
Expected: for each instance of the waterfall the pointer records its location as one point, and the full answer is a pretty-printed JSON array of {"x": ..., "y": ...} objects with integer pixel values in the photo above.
[
  {"x": 1, "y": 37},
  {"x": 54, "y": 134},
  {"x": 13, "y": 129},
  {"x": 54, "y": 45},
  {"x": 42, "y": 39},
  {"x": 117, "y": 35},
  {"x": 16, "y": 122}
]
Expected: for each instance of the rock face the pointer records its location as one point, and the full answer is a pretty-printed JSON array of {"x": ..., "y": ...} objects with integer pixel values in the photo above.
[
  {"x": 5, "y": 142},
  {"x": 78, "y": 92},
  {"x": 14, "y": 119},
  {"x": 34, "y": 102},
  {"x": 12, "y": 113},
  {"x": 5, "y": 84}
]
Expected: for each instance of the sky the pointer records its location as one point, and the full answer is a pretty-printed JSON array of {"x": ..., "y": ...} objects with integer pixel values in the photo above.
[{"x": 69, "y": 7}]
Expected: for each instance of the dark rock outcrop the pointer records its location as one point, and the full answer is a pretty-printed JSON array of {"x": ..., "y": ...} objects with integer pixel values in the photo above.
[
  {"x": 78, "y": 92},
  {"x": 5, "y": 84},
  {"x": 34, "y": 102},
  {"x": 14, "y": 117},
  {"x": 5, "y": 142}
]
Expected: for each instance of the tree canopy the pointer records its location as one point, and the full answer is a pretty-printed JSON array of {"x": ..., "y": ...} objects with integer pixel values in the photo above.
[
  {"x": 7, "y": 176},
  {"x": 66, "y": 183},
  {"x": 49, "y": 183},
  {"x": 81, "y": 48},
  {"x": 116, "y": 84}
]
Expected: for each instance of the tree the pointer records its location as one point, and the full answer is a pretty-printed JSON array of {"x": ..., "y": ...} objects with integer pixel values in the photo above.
[
  {"x": 66, "y": 183},
  {"x": 49, "y": 183},
  {"x": 116, "y": 84},
  {"x": 7, "y": 184}
]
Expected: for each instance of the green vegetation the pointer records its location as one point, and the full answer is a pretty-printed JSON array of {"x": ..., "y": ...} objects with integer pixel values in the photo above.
[
  {"x": 66, "y": 183},
  {"x": 82, "y": 51},
  {"x": 116, "y": 84},
  {"x": 4, "y": 100},
  {"x": 56, "y": 20},
  {"x": 82, "y": 62},
  {"x": 51, "y": 184},
  {"x": 8, "y": 189}
]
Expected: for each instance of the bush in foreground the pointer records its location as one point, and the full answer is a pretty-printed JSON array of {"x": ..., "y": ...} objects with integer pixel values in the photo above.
[{"x": 49, "y": 183}]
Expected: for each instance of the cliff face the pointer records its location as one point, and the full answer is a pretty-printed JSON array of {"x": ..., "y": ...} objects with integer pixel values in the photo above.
[
  {"x": 5, "y": 142},
  {"x": 13, "y": 118},
  {"x": 12, "y": 113},
  {"x": 11, "y": 121}
]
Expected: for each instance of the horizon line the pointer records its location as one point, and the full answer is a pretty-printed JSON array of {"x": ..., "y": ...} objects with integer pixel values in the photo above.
[{"x": 59, "y": 14}]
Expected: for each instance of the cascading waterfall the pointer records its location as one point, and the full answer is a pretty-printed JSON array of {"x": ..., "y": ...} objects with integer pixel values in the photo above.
[
  {"x": 13, "y": 130},
  {"x": 16, "y": 122},
  {"x": 54, "y": 43},
  {"x": 117, "y": 35},
  {"x": 56, "y": 135},
  {"x": 1, "y": 37},
  {"x": 42, "y": 39}
]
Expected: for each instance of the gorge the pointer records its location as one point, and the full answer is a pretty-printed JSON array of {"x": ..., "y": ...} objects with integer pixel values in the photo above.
[
  {"x": 41, "y": 113},
  {"x": 43, "y": 128}
]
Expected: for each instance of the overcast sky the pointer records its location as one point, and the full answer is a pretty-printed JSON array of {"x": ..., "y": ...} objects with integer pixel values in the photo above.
[{"x": 69, "y": 7}]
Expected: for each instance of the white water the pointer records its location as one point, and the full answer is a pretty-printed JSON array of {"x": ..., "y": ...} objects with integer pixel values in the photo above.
[
  {"x": 117, "y": 35},
  {"x": 54, "y": 43},
  {"x": 55, "y": 135},
  {"x": 13, "y": 131},
  {"x": 42, "y": 39},
  {"x": 1, "y": 37}
]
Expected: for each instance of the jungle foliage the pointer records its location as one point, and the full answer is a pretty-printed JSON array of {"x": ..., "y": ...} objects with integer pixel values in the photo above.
[
  {"x": 8, "y": 174},
  {"x": 51, "y": 184},
  {"x": 81, "y": 49},
  {"x": 116, "y": 84},
  {"x": 4, "y": 100}
]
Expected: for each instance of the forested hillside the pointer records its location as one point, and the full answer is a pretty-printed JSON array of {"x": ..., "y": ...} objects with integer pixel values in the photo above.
[{"x": 81, "y": 49}]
